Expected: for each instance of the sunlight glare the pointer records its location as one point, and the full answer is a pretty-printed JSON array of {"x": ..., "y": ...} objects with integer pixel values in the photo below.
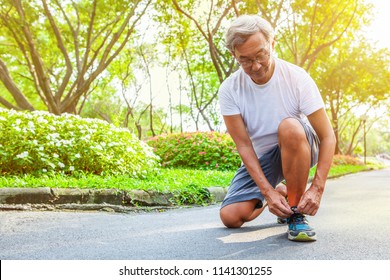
[{"x": 381, "y": 21}]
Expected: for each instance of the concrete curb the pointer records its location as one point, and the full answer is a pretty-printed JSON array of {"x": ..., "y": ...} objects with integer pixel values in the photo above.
[{"x": 91, "y": 199}]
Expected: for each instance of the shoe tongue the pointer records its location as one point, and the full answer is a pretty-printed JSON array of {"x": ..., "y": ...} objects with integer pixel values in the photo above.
[{"x": 297, "y": 215}]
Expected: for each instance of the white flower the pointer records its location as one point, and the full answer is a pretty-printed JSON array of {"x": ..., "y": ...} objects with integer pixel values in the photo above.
[
  {"x": 54, "y": 135},
  {"x": 71, "y": 168},
  {"x": 98, "y": 147},
  {"x": 41, "y": 119},
  {"x": 22, "y": 155},
  {"x": 55, "y": 155},
  {"x": 61, "y": 165}
]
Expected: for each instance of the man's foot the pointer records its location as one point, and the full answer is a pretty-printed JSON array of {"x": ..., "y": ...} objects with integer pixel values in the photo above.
[{"x": 298, "y": 228}]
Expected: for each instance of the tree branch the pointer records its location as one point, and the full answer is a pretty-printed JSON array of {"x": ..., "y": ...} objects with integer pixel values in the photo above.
[
  {"x": 61, "y": 46},
  {"x": 44, "y": 81},
  {"x": 191, "y": 18},
  {"x": 19, "y": 97}
]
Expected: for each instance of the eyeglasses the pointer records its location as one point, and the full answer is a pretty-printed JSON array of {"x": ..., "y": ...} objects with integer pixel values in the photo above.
[{"x": 261, "y": 57}]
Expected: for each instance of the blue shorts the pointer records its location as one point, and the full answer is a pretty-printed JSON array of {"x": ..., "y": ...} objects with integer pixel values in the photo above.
[{"x": 243, "y": 188}]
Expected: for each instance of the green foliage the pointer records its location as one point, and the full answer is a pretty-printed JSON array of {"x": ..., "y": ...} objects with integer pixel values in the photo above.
[
  {"x": 164, "y": 180},
  {"x": 378, "y": 138},
  {"x": 55, "y": 52},
  {"x": 353, "y": 82},
  {"x": 200, "y": 150},
  {"x": 191, "y": 194},
  {"x": 341, "y": 170},
  {"x": 40, "y": 142},
  {"x": 187, "y": 186},
  {"x": 308, "y": 28}
]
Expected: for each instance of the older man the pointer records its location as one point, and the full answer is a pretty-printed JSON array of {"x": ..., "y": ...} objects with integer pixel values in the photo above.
[{"x": 275, "y": 114}]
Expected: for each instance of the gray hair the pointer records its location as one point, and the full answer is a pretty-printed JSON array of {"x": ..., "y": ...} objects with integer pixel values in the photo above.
[{"x": 244, "y": 27}]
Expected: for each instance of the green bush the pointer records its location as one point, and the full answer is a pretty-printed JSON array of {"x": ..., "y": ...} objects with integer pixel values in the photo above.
[
  {"x": 39, "y": 142},
  {"x": 199, "y": 150}
]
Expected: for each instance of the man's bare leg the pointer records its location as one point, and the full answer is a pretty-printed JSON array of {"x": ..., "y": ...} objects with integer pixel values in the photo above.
[
  {"x": 236, "y": 214},
  {"x": 296, "y": 158}
]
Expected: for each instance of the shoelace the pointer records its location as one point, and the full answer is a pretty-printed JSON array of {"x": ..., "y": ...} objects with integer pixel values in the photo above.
[{"x": 296, "y": 217}]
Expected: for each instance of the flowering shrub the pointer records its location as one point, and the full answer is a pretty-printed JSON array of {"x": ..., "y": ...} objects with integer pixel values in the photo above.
[
  {"x": 200, "y": 150},
  {"x": 345, "y": 160},
  {"x": 39, "y": 142}
]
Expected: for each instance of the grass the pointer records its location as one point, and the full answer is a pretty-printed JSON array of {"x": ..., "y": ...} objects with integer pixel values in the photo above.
[
  {"x": 341, "y": 170},
  {"x": 163, "y": 180}
]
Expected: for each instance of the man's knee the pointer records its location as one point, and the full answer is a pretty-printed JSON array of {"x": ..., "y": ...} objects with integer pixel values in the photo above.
[
  {"x": 291, "y": 133},
  {"x": 236, "y": 214},
  {"x": 229, "y": 219}
]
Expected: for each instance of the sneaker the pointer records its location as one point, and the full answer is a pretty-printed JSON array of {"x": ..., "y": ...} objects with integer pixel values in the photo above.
[
  {"x": 298, "y": 228},
  {"x": 281, "y": 220}
]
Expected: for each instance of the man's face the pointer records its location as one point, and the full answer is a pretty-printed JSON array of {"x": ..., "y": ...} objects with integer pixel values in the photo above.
[{"x": 255, "y": 58}]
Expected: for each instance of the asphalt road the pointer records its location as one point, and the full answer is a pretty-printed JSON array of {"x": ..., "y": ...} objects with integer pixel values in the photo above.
[{"x": 352, "y": 224}]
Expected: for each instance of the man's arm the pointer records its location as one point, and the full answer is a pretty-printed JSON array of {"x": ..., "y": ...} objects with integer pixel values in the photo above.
[
  {"x": 276, "y": 202},
  {"x": 311, "y": 199}
]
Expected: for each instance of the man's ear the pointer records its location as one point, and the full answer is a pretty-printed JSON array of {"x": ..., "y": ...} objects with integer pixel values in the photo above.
[{"x": 273, "y": 44}]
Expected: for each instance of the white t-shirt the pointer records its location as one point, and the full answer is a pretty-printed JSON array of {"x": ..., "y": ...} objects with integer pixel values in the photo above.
[{"x": 290, "y": 92}]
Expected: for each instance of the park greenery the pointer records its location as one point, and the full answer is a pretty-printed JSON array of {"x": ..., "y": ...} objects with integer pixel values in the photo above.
[
  {"x": 39, "y": 149},
  {"x": 196, "y": 150},
  {"x": 100, "y": 59},
  {"x": 38, "y": 142},
  {"x": 187, "y": 185},
  {"x": 88, "y": 85}
]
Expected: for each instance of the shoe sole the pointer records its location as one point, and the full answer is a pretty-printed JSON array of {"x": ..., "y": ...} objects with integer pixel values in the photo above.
[{"x": 302, "y": 237}]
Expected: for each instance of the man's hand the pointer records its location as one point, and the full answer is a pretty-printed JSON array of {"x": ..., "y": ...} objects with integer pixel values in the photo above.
[
  {"x": 310, "y": 201},
  {"x": 277, "y": 204}
]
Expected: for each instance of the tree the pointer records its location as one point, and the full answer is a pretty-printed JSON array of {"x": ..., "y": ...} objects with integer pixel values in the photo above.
[
  {"x": 306, "y": 28},
  {"x": 378, "y": 140},
  {"x": 131, "y": 85},
  {"x": 208, "y": 23},
  {"x": 198, "y": 40},
  {"x": 56, "y": 50},
  {"x": 353, "y": 80}
]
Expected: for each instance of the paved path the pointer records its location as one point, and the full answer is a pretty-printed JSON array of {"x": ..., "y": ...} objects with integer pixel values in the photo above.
[{"x": 351, "y": 224}]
